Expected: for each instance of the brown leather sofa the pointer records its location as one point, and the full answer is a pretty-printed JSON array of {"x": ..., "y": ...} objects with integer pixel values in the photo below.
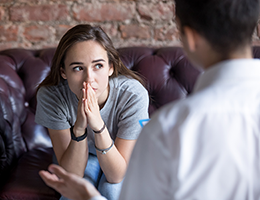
[{"x": 25, "y": 147}]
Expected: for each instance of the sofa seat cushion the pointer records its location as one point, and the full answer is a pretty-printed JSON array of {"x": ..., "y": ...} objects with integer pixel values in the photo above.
[{"x": 25, "y": 182}]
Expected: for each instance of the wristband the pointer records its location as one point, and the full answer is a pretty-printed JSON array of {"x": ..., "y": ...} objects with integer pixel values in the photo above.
[
  {"x": 100, "y": 131},
  {"x": 104, "y": 151},
  {"x": 80, "y": 138}
]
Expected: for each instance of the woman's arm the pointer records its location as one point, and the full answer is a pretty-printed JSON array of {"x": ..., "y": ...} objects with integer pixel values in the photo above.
[
  {"x": 72, "y": 155},
  {"x": 114, "y": 163}
]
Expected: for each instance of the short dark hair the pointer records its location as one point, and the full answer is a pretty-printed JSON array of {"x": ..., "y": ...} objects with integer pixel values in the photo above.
[{"x": 226, "y": 24}]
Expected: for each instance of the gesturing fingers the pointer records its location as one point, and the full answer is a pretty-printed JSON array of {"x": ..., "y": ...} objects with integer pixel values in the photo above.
[
  {"x": 67, "y": 184},
  {"x": 60, "y": 180},
  {"x": 53, "y": 180},
  {"x": 59, "y": 171},
  {"x": 49, "y": 179}
]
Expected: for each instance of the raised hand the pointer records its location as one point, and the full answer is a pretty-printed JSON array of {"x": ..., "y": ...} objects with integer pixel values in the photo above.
[
  {"x": 81, "y": 121},
  {"x": 68, "y": 184},
  {"x": 92, "y": 110}
]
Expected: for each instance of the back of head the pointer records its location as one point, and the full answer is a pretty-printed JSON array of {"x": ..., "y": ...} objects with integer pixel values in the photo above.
[{"x": 227, "y": 25}]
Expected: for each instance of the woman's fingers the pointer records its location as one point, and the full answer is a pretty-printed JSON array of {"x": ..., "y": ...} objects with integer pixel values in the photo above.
[
  {"x": 84, "y": 90},
  {"x": 92, "y": 109},
  {"x": 81, "y": 122},
  {"x": 82, "y": 99},
  {"x": 91, "y": 98}
]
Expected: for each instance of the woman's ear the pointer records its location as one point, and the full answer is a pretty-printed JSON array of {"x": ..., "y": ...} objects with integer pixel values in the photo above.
[
  {"x": 192, "y": 38},
  {"x": 63, "y": 74},
  {"x": 111, "y": 69}
]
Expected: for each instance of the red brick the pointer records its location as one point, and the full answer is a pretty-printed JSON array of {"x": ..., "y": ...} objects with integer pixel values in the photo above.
[
  {"x": 61, "y": 30},
  {"x": 40, "y": 1},
  {"x": 160, "y": 11},
  {"x": 37, "y": 33},
  {"x": 39, "y": 13},
  {"x": 135, "y": 31},
  {"x": 25, "y": 44},
  {"x": 8, "y": 33},
  {"x": 133, "y": 43},
  {"x": 53, "y": 44},
  {"x": 103, "y": 12},
  {"x": 2, "y": 13},
  {"x": 117, "y": 0},
  {"x": 4, "y": 46},
  {"x": 4, "y": 1},
  {"x": 29, "y": 1},
  {"x": 59, "y": 0},
  {"x": 166, "y": 33},
  {"x": 110, "y": 29}
]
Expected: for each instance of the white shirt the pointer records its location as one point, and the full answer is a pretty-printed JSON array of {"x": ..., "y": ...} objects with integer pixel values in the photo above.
[{"x": 205, "y": 147}]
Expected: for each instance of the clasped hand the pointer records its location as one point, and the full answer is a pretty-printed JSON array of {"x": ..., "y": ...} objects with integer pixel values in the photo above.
[{"x": 88, "y": 110}]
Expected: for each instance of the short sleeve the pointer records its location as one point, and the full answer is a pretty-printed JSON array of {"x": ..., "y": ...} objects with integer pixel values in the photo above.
[
  {"x": 135, "y": 108},
  {"x": 51, "y": 112}
]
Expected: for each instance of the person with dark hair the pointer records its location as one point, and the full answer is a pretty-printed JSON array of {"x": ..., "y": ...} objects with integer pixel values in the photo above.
[
  {"x": 91, "y": 104},
  {"x": 207, "y": 145}
]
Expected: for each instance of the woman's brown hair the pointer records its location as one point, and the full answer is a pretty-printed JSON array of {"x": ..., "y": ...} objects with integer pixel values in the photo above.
[{"x": 80, "y": 33}]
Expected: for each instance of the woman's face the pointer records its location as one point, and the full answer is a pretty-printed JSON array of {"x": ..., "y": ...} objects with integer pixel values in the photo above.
[{"x": 88, "y": 62}]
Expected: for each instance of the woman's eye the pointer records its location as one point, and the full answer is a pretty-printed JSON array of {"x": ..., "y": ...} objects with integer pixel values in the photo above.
[
  {"x": 98, "y": 66},
  {"x": 78, "y": 68}
]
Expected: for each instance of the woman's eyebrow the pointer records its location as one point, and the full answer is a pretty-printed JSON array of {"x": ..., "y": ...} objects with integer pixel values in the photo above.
[
  {"x": 76, "y": 63},
  {"x": 81, "y": 63},
  {"x": 94, "y": 61}
]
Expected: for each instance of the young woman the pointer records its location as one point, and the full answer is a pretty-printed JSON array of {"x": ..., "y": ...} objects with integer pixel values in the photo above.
[{"x": 91, "y": 104}]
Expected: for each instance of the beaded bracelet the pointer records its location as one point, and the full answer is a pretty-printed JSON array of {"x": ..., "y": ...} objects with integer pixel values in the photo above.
[{"x": 104, "y": 151}]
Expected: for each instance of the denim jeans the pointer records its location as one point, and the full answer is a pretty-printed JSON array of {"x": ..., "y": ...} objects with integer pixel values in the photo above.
[{"x": 94, "y": 174}]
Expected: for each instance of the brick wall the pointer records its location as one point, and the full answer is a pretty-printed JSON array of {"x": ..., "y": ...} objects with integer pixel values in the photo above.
[{"x": 41, "y": 23}]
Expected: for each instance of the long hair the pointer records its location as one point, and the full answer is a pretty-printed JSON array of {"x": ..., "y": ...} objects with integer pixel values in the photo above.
[{"x": 80, "y": 33}]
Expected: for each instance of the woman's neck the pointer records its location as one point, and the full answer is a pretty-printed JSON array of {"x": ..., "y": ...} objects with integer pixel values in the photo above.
[{"x": 103, "y": 98}]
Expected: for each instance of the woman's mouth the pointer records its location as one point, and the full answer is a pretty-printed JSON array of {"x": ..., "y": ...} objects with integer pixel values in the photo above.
[{"x": 95, "y": 89}]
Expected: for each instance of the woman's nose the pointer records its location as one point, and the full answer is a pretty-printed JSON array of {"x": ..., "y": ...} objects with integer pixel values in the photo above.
[{"x": 89, "y": 76}]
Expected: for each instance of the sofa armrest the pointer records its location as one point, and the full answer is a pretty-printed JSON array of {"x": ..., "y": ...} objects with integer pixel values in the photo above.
[
  {"x": 18, "y": 131},
  {"x": 7, "y": 153}
]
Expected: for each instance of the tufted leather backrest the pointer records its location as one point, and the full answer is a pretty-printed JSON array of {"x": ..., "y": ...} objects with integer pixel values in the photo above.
[
  {"x": 167, "y": 72},
  {"x": 20, "y": 72}
]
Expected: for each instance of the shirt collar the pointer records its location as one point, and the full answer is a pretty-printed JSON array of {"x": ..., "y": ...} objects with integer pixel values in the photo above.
[{"x": 228, "y": 70}]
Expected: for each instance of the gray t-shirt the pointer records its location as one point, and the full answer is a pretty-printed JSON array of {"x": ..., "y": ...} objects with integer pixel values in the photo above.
[{"x": 127, "y": 103}]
